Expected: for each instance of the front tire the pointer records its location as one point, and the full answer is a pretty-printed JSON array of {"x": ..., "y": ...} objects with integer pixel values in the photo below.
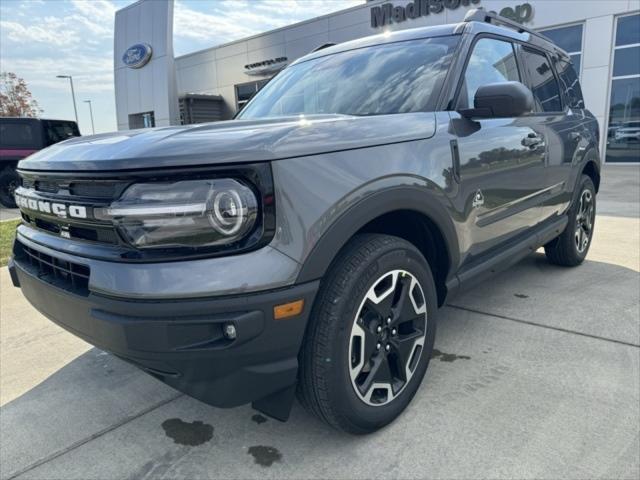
[
  {"x": 571, "y": 247},
  {"x": 370, "y": 335}
]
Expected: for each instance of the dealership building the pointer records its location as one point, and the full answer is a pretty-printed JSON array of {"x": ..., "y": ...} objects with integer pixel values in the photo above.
[{"x": 155, "y": 88}]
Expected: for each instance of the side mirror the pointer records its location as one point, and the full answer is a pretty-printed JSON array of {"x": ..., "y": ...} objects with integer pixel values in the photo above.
[{"x": 500, "y": 100}]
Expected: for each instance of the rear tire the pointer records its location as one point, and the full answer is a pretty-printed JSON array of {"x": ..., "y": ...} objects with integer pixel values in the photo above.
[
  {"x": 9, "y": 181},
  {"x": 571, "y": 247},
  {"x": 370, "y": 335}
]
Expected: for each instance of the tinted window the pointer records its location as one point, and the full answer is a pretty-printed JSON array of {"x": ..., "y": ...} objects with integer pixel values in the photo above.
[
  {"x": 570, "y": 84},
  {"x": 542, "y": 81},
  {"x": 57, "y": 131},
  {"x": 399, "y": 77},
  {"x": 492, "y": 61},
  {"x": 567, "y": 38},
  {"x": 17, "y": 135},
  {"x": 628, "y": 30}
]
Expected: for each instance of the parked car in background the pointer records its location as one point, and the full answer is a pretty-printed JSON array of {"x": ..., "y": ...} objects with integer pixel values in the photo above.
[
  {"x": 19, "y": 138},
  {"x": 628, "y": 132}
]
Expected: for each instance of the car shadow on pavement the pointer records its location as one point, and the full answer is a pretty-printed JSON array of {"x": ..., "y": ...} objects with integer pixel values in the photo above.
[{"x": 487, "y": 342}]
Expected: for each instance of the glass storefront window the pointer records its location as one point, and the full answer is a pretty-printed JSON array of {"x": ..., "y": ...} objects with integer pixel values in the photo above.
[
  {"x": 626, "y": 61},
  {"x": 628, "y": 30},
  {"x": 623, "y": 133},
  {"x": 569, "y": 39},
  {"x": 245, "y": 91}
]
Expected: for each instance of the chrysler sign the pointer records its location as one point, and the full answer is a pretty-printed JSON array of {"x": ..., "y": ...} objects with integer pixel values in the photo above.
[
  {"x": 266, "y": 67},
  {"x": 388, "y": 13}
]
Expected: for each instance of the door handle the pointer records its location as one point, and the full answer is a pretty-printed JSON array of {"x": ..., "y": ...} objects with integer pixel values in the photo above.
[{"x": 575, "y": 136}]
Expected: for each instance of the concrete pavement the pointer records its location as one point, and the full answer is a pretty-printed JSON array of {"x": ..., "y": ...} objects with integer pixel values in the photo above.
[
  {"x": 536, "y": 376},
  {"x": 9, "y": 213}
]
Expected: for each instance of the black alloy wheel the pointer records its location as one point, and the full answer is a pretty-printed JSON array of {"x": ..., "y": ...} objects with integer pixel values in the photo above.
[{"x": 387, "y": 337}]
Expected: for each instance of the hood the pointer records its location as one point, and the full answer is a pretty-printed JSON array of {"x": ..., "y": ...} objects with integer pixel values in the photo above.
[{"x": 234, "y": 141}]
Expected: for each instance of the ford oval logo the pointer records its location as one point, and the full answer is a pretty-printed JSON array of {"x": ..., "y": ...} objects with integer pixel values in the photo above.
[{"x": 137, "y": 55}]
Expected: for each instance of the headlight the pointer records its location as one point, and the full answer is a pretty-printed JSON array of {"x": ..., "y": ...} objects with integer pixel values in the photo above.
[{"x": 190, "y": 213}]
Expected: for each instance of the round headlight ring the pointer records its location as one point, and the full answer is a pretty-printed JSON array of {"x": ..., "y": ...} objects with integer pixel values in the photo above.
[{"x": 226, "y": 225}]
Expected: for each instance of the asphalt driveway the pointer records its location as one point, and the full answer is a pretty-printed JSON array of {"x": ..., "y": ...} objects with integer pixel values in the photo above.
[{"x": 536, "y": 375}]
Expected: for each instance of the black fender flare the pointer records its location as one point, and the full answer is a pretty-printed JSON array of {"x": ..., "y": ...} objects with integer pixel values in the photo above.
[
  {"x": 423, "y": 200},
  {"x": 591, "y": 157}
]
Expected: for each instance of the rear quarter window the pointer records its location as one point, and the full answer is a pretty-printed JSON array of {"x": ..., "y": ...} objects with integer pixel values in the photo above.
[
  {"x": 570, "y": 83},
  {"x": 17, "y": 135}
]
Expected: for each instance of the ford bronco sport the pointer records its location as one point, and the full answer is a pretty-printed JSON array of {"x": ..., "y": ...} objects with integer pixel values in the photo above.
[
  {"x": 19, "y": 138},
  {"x": 306, "y": 245}
]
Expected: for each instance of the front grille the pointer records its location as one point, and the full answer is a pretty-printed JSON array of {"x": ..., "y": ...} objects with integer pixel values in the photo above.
[
  {"x": 93, "y": 189},
  {"x": 48, "y": 187},
  {"x": 70, "y": 191},
  {"x": 68, "y": 276}
]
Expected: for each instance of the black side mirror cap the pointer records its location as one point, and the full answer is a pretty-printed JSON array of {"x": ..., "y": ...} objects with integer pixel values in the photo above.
[{"x": 500, "y": 100}]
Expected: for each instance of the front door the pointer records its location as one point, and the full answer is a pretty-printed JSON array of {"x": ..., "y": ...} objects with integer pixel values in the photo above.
[{"x": 502, "y": 160}]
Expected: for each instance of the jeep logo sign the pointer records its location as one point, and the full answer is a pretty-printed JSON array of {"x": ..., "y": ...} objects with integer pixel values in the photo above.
[
  {"x": 58, "y": 209},
  {"x": 521, "y": 13},
  {"x": 387, "y": 13}
]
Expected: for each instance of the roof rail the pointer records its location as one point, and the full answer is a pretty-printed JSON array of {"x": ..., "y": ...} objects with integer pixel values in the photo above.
[
  {"x": 482, "y": 15},
  {"x": 324, "y": 45}
]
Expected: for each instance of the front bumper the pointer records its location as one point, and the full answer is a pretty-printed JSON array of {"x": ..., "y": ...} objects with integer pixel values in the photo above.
[{"x": 180, "y": 341}]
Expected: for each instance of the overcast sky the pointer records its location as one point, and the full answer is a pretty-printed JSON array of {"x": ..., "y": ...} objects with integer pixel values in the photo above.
[{"x": 40, "y": 39}]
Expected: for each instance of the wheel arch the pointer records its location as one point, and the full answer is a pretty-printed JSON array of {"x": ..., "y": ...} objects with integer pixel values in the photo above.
[
  {"x": 592, "y": 170},
  {"x": 415, "y": 214}
]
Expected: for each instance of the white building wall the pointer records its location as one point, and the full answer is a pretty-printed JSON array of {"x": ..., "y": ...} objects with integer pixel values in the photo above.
[{"x": 152, "y": 87}]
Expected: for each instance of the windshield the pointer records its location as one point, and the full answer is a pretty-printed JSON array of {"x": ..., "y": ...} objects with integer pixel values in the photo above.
[{"x": 398, "y": 77}]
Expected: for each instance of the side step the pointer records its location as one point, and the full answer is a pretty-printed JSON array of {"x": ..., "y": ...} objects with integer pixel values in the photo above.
[{"x": 509, "y": 255}]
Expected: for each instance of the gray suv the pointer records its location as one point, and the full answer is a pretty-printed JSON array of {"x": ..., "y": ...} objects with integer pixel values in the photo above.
[{"x": 306, "y": 246}]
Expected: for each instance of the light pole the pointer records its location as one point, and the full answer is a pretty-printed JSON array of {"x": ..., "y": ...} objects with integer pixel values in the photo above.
[
  {"x": 73, "y": 95},
  {"x": 93, "y": 129}
]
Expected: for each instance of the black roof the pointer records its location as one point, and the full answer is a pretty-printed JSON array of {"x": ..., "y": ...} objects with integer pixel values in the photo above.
[{"x": 34, "y": 120}]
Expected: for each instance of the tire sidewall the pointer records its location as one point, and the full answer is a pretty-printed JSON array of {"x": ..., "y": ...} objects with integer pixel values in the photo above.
[{"x": 346, "y": 401}]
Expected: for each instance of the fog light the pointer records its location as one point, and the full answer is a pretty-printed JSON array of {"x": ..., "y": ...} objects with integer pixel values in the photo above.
[{"x": 230, "y": 331}]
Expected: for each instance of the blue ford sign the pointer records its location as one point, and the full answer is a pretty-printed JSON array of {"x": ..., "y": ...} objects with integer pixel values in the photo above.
[{"x": 137, "y": 55}]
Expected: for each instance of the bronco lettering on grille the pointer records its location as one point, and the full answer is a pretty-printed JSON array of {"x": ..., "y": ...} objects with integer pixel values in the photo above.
[{"x": 59, "y": 209}]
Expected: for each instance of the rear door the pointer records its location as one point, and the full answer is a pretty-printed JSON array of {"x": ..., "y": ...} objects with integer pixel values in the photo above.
[
  {"x": 502, "y": 160},
  {"x": 563, "y": 126}
]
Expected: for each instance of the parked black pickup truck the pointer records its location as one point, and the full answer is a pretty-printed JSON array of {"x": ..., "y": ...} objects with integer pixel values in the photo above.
[
  {"x": 19, "y": 138},
  {"x": 308, "y": 244}
]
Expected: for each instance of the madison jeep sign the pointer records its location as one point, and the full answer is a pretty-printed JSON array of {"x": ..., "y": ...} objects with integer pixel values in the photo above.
[{"x": 388, "y": 13}]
